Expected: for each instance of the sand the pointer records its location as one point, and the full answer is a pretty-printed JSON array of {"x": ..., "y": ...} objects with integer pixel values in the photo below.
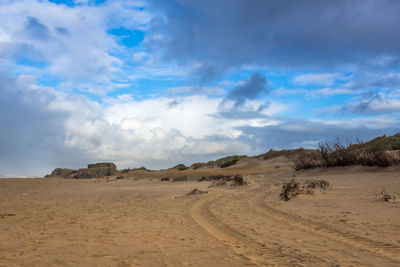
[{"x": 145, "y": 222}]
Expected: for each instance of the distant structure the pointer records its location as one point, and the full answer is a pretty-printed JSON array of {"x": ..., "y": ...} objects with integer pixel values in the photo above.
[{"x": 92, "y": 171}]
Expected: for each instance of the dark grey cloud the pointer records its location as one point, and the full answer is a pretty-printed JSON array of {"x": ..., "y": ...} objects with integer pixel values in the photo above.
[
  {"x": 228, "y": 34},
  {"x": 31, "y": 136},
  {"x": 251, "y": 88},
  {"x": 371, "y": 103}
]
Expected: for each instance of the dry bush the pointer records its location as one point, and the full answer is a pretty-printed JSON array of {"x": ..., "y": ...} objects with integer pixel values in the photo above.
[
  {"x": 304, "y": 162},
  {"x": 376, "y": 158},
  {"x": 220, "y": 180},
  {"x": 238, "y": 180},
  {"x": 340, "y": 154},
  {"x": 385, "y": 196},
  {"x": 290, "y": 190},
  {"x": 294, "y": 188},
  {"x": 165, "y": 179}
]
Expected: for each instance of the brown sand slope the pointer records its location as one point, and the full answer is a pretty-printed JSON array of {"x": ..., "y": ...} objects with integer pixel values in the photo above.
[{"x": 145, "y": 222}]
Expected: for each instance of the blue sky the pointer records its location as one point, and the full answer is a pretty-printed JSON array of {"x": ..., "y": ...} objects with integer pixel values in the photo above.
[{"x": 157, "y": 83}]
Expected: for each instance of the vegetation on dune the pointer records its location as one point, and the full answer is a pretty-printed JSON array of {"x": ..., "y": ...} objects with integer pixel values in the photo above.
[
  {"x": 219, "y": 163},
  {"x": 225, "y": 162},
  {"x": 179, "y": 167},
  {"x": 380, "y": 143},
  {"x": 289, "y": 153},
  {"x": 197, "y": 165},
  {"x": 372, "y": 153}
]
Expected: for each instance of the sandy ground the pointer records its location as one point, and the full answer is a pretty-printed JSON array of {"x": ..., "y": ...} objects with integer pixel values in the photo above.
[{"x": 145, "y": 222}]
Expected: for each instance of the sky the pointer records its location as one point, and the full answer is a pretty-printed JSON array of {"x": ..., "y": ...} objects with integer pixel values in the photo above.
[{"x": 156, "y": 83}]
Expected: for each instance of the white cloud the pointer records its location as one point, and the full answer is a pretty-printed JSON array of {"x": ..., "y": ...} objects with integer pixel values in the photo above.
[
  {"x": 163, "y": 129},
  {"x": 374, "y": 122},
  {"x": 69, "y": 42},
  {"x": 189, "y": 115}
]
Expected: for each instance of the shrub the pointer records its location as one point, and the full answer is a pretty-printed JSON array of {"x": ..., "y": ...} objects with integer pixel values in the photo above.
[
  {"x": 304, "y": 161},
  {"x": 376, "y": 158},
  {"x": 294, "y": 188},
  {"x": 220, "y": 180},
  {"x": 385, "y": 196},
  {"x": 290, "y": 190},
  {"x": 238, "y": 180},
  {"x": 340, "y": 154}
]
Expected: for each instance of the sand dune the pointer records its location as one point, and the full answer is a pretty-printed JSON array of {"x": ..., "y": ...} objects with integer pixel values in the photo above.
[{"x": 145, "y": 222}]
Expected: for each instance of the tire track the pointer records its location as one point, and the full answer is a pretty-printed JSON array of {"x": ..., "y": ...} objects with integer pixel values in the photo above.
[
  {"x": 261, "y": 254},
  {"x": 387, "y": 250}
]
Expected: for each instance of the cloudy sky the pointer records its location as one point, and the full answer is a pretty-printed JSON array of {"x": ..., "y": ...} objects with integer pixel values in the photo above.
[{"x": 157, "y": 83}]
